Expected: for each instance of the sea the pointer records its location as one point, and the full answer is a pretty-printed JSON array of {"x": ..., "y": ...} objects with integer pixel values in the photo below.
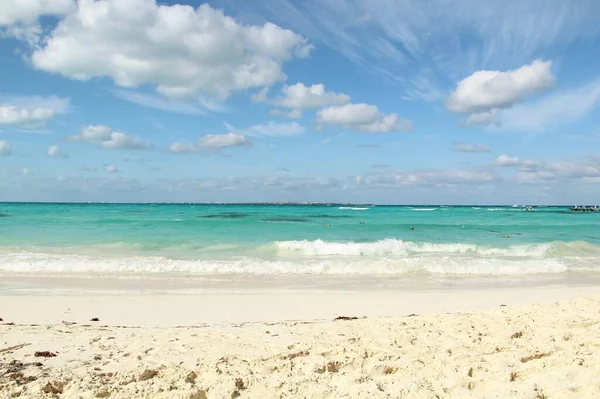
[{"x": 332, "y": 242}]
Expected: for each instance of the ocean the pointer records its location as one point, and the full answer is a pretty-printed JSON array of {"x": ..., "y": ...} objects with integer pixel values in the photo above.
[{"x": 199, "y": 240}]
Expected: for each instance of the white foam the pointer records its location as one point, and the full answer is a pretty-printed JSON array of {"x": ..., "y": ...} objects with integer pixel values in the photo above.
[
  {"x": 423, "y": 209},
  {"x": 398, "y": 247},
  {"x": 49, "y": 264},
  {"x": 352, "y": 208},
  {"x": 386, "y": 257}
]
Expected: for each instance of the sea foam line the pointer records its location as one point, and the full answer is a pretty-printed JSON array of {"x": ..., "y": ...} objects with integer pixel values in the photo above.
[{"x": 51, "y": 264}]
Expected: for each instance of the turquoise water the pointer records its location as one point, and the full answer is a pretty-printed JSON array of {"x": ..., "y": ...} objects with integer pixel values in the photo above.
[{"x": 299, "y": 239}]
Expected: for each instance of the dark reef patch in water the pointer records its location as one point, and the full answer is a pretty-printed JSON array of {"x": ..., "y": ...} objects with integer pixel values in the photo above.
[
  {"x": 324, "y": 215},
  {"x": 226, "y": 215},
  {"x": 287, "y": 220},
  {"x": 5, "y": 215}
]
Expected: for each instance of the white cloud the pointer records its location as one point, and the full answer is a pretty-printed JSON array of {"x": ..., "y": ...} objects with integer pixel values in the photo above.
[
  {"x": 238, "y": 137},
  {"x": 586, "y": 170},
  {"x": 216, "y": 141},
  {"x": 182, "y": 50},
  {"x": 487, "y": 90},
  {"x": 110, "y": 169},
  {"x": 29, "y": 11},
  {"x": 299, "y": 96},
  {"x": 406, "y": 37},
  {"x": 5, "y": 149},
  {"x": 292, "y": 114},
  {"x": 363, "y": 117},
  {"x": 472, "y": 148},
  {"x": 553, "y": 111},
  {"x": 260, "y": 96},
  {"x": 105, "y": 137},
  {"x": 55, "y": 151},
  {"x": 180, "y": 148},
  {"x": 19, "y": 18},
  {"x": 432, "y": 177},
  {"x": 35, "y": 117},
  {"x": 485, "y": 118},
  {"x": 31, "y": 111},
  {"x": 505, "y": 160}
]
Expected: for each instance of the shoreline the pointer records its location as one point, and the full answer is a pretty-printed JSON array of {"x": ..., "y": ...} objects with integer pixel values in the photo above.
[{"x": 179, "y": 307}]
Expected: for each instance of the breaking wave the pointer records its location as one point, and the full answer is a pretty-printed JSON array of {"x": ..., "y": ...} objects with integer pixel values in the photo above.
[{"x": 385, "y": 257}]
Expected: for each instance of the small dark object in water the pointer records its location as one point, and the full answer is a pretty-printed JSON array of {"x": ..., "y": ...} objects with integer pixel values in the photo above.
[
  {"x": 507, "y": 236},
  {"x": 346, "y": 318},
  {"x": 45, "y": 354},
  {"x": 411, "y": 227},
  {"x": 94, "y": 319}
]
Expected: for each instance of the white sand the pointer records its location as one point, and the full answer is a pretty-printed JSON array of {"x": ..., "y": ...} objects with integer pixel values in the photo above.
[{"x": 542, "y": 350}]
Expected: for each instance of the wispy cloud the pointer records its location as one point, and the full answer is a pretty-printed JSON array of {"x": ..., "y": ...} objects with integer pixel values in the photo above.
[
  {"x": 450, "y": 38},
  {"x": 553, "y": 111},
  {"x": 159, "y": 102}
]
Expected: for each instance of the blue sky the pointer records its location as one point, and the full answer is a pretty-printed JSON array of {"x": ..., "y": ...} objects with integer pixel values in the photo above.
[{"x": 389, "y": 101}]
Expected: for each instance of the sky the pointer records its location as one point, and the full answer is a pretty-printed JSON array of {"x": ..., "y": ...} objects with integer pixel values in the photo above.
[{"x": 364, "y": 101}]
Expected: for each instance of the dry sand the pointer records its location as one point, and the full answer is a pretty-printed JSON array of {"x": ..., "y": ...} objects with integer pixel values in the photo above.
[{"x": 548, "y": 350}]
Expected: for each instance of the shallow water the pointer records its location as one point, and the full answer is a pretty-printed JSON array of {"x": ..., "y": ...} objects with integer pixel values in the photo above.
[{"x": 195, "y": 240}]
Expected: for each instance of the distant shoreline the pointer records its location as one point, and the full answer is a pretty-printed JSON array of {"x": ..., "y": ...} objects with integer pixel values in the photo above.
[{"x": 291, "y": 203}]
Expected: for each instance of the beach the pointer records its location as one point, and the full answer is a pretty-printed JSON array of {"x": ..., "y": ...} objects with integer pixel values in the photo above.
[
  {"x": 526, "y": 342},
  {"x": 298, "y": 301}
]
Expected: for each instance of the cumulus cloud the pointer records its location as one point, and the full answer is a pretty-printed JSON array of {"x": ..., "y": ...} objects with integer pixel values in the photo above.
[
  {"x": 55, "y": 151},
  {"x": 472, "y": 148},
  {"x": 215, "y": 141},
  {"x": 363, "y": 117},
  {"x": 35, "y": 117},
  {"x": 5, "y": 149},
  {"x": 105, "y": 137},
  {"x": 29, "y": 11},
  {"x": 505, "y": 160},
  {"x": 260, "y": 96},
  {"x": 31, "y": 111},
  {"x": 486, "y": 90},
  {"x": 211, "y": 142},
  {"x": 181, "y": 50},
  {"x": 299, "y": 96},
  {"x": 19, "y": 18}
]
